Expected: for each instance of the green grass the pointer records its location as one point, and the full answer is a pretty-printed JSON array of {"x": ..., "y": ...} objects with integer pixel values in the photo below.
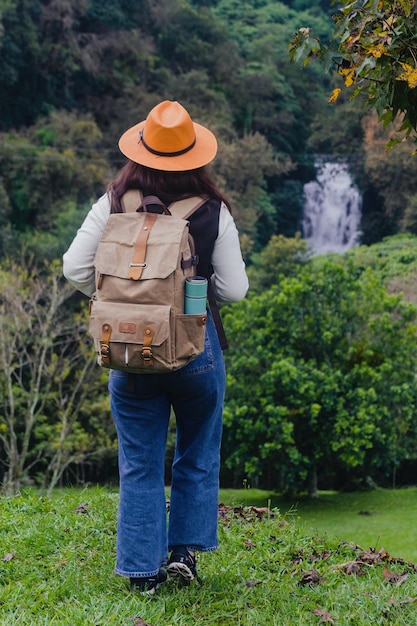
[
  {"x": 380, "y": 518},
  {"x": 57, "y": 558}
]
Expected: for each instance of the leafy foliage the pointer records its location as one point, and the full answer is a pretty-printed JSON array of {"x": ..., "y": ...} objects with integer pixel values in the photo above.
[
  {"x": 99, "y": 67},
  {"x": 282, "y": 257},
  {"x": 394, "y": 261},
  {"x": 373, "y": 46},
  {"x": 47, "y": 375},
  {"x": 394, "y": 178},
  {"x": 55, "y": 163},
  {"x": 323, "y": 378}
]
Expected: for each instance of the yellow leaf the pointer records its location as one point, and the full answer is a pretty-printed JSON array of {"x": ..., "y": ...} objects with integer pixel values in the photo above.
[
  {"x": 378, "y": 51},
  {"x": 334, "y": 96},
  {"x": 409, "y": 75},
  {"x": 348, "y": 76}
]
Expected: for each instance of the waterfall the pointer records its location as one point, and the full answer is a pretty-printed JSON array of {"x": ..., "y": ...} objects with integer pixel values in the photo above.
[{"x": 332, "y": 210}]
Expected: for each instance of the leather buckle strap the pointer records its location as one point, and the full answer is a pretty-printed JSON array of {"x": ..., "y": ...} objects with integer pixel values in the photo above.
[
  {"x": 138, "y": 263},
  {"x": 148, "y": 335},
  {"x": 104, "y": 346},
  {"x": 193, "y": 261}
]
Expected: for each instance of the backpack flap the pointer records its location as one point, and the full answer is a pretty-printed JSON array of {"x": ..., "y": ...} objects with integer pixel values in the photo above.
[{"x": 149, "y": 244}]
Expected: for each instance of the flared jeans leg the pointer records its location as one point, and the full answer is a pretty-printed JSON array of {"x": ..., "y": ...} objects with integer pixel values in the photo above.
[
  {"x": 193, "y": 514},
  {"x": 197, "y": 395},
  {"x": 142, "y": 424}
]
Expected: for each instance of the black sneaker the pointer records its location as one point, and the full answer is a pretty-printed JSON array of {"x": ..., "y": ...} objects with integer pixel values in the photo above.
[
  {"x": 181, "y": 565},
  {"x": 148, "y": 585}
]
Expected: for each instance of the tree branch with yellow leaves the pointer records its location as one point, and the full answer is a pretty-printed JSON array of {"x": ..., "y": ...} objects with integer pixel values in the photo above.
[{"x": 373, "y": 48}]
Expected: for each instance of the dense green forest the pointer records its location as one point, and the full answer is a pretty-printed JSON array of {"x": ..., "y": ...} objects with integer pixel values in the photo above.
[{"x": 321, "y": 389}]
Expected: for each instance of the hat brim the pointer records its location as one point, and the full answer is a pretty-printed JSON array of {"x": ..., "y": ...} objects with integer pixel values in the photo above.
[{"x": 202, "y": 153}]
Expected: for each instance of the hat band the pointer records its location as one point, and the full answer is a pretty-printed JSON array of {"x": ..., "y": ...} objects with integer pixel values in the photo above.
[{"x": 167, "y": 154}]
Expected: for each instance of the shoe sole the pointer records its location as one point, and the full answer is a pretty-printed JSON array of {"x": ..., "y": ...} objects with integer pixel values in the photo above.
[
  {"x": 149, "y": 592},
  {"x": 179, "y": 571}
]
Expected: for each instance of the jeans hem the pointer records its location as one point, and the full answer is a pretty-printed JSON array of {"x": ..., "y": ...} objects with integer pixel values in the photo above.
[
  {"x": 121, "y": 572},
  {"x": 195, "y": 548}
]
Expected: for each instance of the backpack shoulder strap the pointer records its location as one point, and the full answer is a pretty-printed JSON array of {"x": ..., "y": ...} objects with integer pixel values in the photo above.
[
  {"x": 131, "y": 200},
  {"x": 185, "y": 208},
  {"x": 214, "y": 308}
]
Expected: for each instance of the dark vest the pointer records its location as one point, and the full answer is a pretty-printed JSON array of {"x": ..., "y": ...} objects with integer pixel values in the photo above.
[{"x": 204, "y": 229}]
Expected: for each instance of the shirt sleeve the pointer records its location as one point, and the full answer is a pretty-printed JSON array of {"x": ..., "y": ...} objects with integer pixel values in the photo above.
[
  {"x": 78, "y": 261},
  {"x": 229, "y": 280}
]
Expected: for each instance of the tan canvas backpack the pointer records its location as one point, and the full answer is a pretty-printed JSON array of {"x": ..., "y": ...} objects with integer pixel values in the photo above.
[{"x": 137, "y": 317}]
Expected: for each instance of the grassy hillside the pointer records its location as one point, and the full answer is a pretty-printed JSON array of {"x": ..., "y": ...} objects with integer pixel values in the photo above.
[
  {"x": 57, "y": 557},
  {"x": 381, "y": 518},
  {"x": 395, "y": 260}
]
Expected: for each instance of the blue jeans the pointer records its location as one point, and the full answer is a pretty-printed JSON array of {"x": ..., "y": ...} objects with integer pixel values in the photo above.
[{"x": 196, "y": 393}]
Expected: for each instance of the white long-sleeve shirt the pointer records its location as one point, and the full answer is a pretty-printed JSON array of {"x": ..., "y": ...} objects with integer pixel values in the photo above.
[{"x": 229, "y": 280}]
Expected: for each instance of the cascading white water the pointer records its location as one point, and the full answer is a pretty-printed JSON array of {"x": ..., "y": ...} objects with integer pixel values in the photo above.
[{"x": 332, "y": 210}]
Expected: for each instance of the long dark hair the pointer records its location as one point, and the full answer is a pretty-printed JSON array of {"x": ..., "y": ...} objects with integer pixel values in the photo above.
[{"x": 168, "y": 186}]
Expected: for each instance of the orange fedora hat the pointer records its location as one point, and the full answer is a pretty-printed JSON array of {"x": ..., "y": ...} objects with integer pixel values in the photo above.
[{"x": 169, "y": 140}]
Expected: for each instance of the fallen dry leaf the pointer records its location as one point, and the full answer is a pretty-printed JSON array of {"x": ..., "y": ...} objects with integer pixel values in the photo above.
[
  {"x": 320, "y": 556},
  {"x": 407, "y": 601},
  {"x": 247, "y": 513},
  {"x": 395, "y": 602},
  {"x": 311, "y": 578},
  {"x": 354, "y": 568},
  {"x": 326, "y": 618},
  {"x": 253, "y": 583},
  {"x": 394, "y": 577},
  {"x": 138, "y": 621},
  {"x": 82, "y": 508},
  {"x": 371, "y": 556},
  {"x": 261, "y": 511}
]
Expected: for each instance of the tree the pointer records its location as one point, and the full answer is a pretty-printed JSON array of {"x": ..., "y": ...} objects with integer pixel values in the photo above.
[
  {"x": 19, "y": 62},
  {"x": 321, "y": 381},
  {"x": 282, "y": 257},
  {"x": 48, "y": 165},
  {"x": 194, "y": 39},
  {"x": 241, "y": 168},
  {"x": 373, "y": 47},
  {"x": 269, "y": 97},
  {"x": 394, "y": 261},
  {"x": 45, "y": 375},
  {"x": 395, "y": 178}
]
